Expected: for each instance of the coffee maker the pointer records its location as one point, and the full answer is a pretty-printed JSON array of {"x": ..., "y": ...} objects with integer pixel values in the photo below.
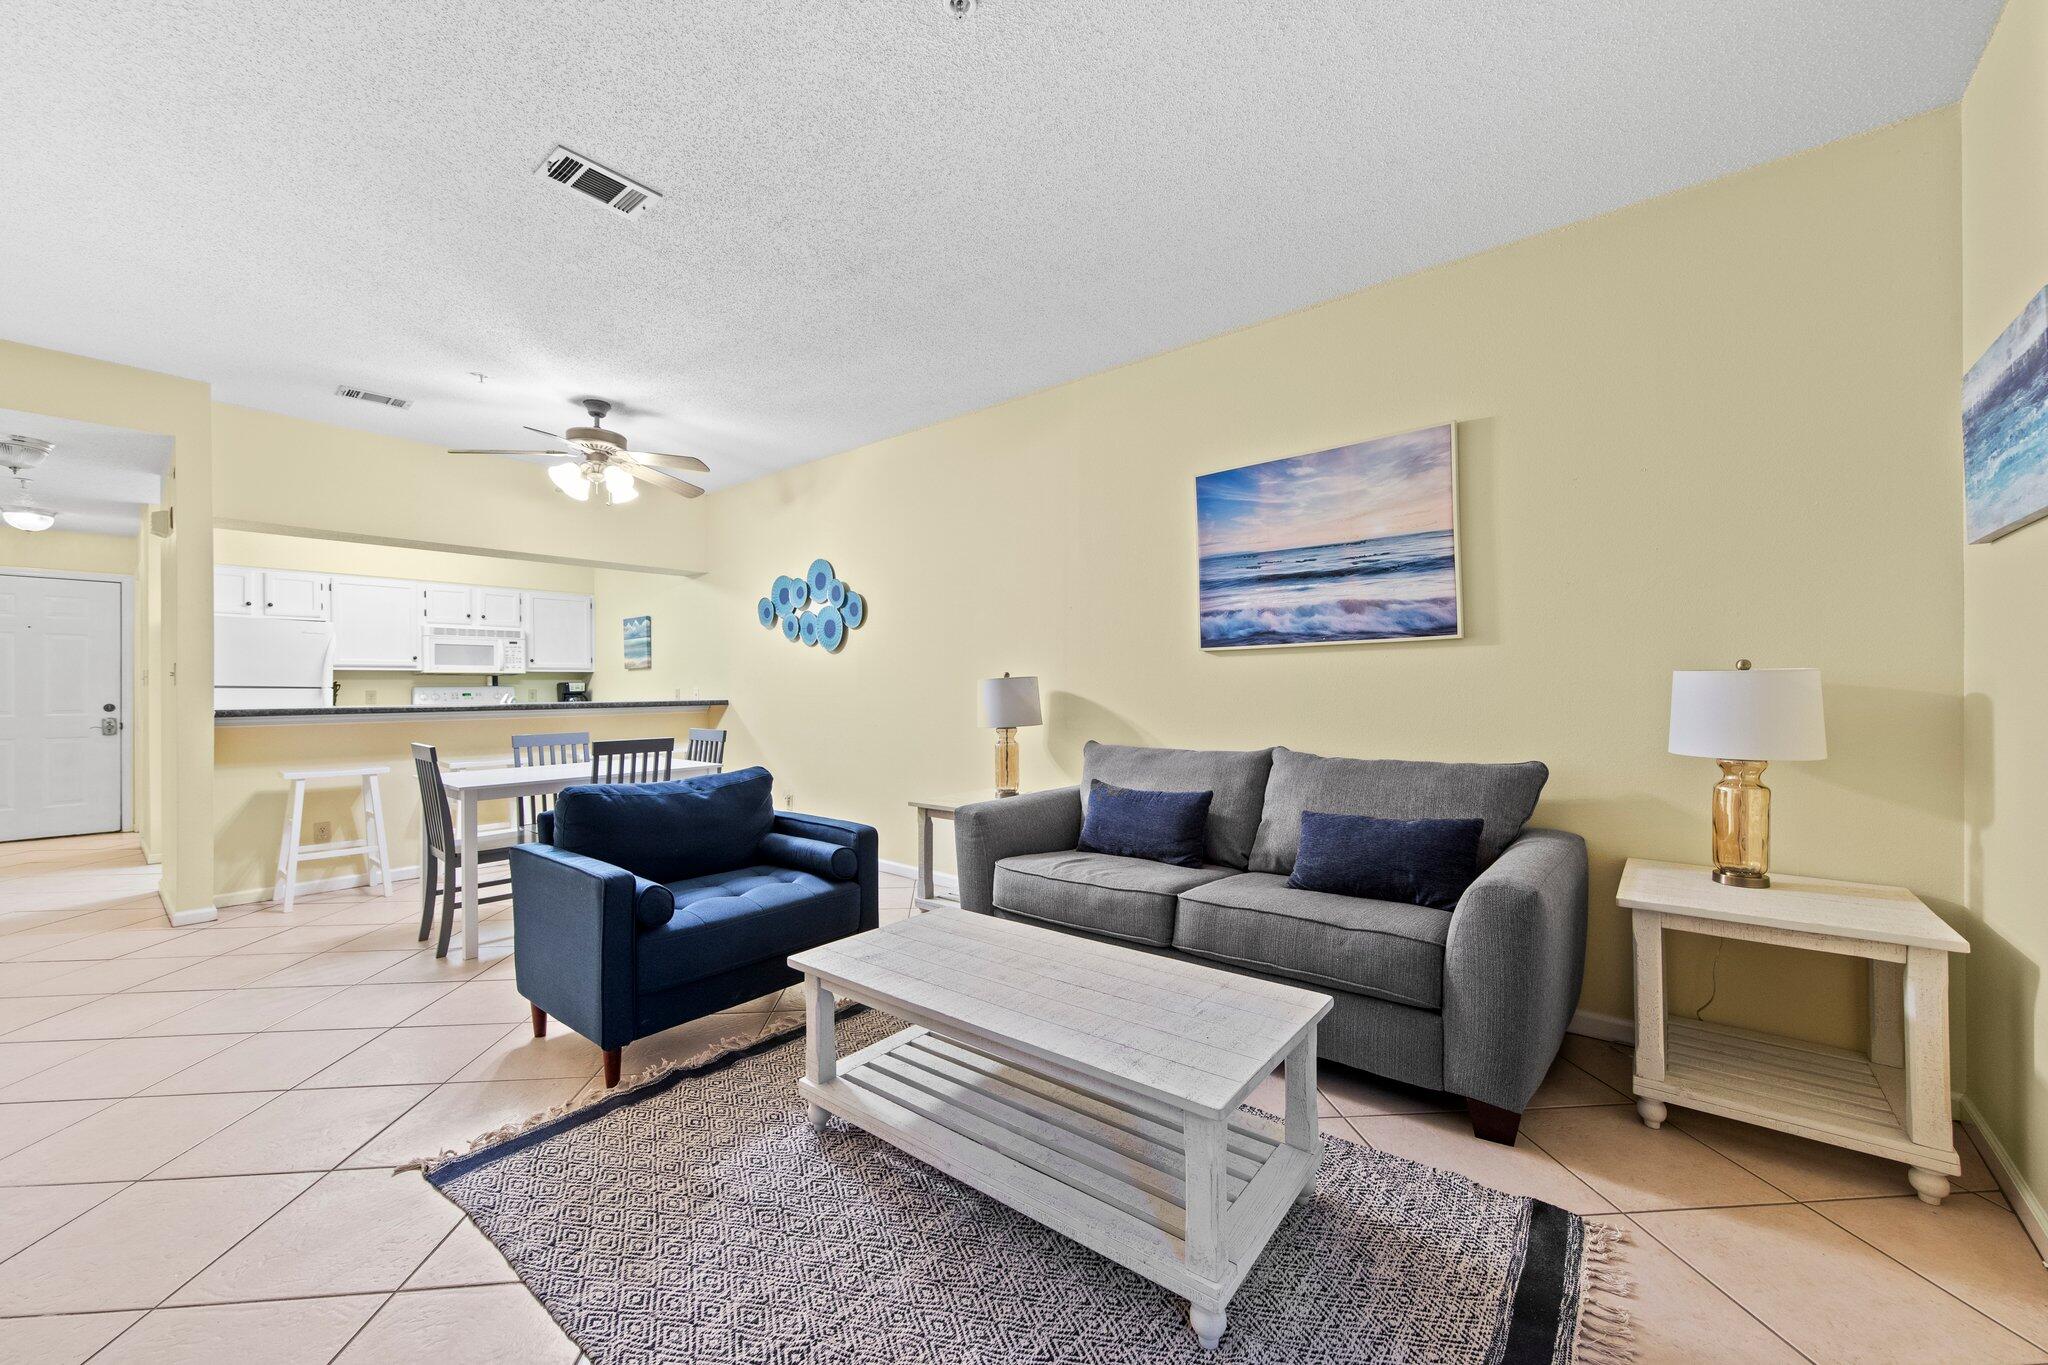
[{"x": 572, "y": 691}]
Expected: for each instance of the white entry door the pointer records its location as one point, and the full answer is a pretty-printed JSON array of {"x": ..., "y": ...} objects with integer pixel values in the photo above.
[{"x": 60, "y": 706}]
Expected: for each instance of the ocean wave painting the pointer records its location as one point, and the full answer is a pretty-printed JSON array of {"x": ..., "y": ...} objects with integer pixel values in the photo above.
[
  {"x": 2005, "y": 428},
  {"x": 1352, "y": 545}
]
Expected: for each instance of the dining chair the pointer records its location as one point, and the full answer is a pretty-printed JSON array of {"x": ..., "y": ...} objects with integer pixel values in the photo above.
[
  {"x": 707, "y": 746},
  {"x": 438, "y": 843},
  {"x": 632, "y": 760},
  {"x": 533, "y": 751}
]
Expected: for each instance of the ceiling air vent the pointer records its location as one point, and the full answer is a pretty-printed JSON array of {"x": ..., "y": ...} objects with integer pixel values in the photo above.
[
  {"x": 386, "y": 399},
  {"x": 607, "y": 187}
]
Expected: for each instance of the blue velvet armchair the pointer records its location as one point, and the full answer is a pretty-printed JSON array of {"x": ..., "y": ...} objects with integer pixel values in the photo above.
[{"x": 644, "y": 907}]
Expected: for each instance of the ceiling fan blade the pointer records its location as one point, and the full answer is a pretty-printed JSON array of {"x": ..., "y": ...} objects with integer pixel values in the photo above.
[
  {"x": 647, "y": 474},
  {"x": 508, "y": 452},
  {"x": 689, "y": 462},
  {"x": 551, "y": 435}
]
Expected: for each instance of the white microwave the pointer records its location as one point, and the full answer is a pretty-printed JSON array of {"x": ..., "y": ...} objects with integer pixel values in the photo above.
[{"x": 472, "y": 649}]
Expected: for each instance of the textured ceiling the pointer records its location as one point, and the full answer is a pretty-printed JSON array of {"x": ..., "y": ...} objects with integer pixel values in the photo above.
[
  {"x": 876, "y": 215},
  {"x": 96, "y": 479}
]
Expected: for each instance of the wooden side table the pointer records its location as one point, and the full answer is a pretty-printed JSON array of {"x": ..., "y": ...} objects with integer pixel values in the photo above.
[
  {"x": 925, "y": 894},
  {"x": 1891, "y": 1103}
]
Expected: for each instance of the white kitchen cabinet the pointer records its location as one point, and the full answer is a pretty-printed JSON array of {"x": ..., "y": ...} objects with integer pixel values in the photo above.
[
  {"x": 498, "y": 607},
  {"x": 376, "y": 623},
  {"x": 447, "y": 604},
  {"x": 237, "y": 592},
  {"x": 294, "y": 596},
  {"x": 561, "y": 633}
]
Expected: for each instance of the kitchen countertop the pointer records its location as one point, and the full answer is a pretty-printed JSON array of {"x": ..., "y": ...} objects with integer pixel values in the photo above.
[{"x": 314, "y": 715}]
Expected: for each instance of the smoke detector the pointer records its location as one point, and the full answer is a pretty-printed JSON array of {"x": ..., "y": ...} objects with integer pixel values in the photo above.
[{"x": 607, "y": 187}]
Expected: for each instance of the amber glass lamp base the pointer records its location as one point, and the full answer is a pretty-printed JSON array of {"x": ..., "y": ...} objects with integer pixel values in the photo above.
[
  {"x": 1006, "y": 761},
  {"x": 1742, "y": 825}
]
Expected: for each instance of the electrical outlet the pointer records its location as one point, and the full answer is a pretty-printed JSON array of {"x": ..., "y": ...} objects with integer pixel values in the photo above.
[
  {"x": 323, "y": 833},
  {"x": 789, "y": 800},
  {"x": 533, "y": 694},
  {"x": 369, "y": 696}
]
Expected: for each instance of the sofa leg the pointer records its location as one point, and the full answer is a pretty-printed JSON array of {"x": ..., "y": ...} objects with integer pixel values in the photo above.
[
  {"x": 540, "y": 1021},
  {"x": 611, "y": 1067},
  {"x": 1490, "y": 1123}
]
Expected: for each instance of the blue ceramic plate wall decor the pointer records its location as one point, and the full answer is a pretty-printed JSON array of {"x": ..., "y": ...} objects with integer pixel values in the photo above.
[
  {"x": 854, "y": 609},
  {"x": 808, "y": 625},
  {"x": 836, "y": 594},
  {"x": 790, "y": 628},
  {"x": 820, "y": 578},
  {"x": 831, "y": 628},
  {"x": 766, "y": 611},
  {"x": 816, "y": 608}
]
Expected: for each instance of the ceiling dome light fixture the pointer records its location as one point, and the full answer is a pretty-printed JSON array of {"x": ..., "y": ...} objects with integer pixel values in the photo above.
[{"x": 24, "y": 513}]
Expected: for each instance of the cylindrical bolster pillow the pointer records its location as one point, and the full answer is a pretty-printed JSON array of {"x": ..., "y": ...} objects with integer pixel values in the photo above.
[
  {"x": 814, "y": 856},
  {"x": 653, "y": 904}
]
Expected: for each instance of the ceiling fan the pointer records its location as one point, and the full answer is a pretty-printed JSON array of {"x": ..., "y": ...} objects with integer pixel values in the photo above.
[{"x": 596, "y": 460}]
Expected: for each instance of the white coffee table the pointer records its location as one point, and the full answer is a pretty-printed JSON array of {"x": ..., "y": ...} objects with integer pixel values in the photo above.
[{"x": 1094, "y": 1088}]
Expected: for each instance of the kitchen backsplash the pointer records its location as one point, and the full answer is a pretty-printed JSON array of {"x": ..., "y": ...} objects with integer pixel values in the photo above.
[{"x": 395, "y": 689}]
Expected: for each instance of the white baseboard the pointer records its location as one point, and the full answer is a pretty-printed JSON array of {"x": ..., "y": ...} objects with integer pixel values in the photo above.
[
  {"x": 2025, "y": 1203},
  {"x": 944, "y": 881},
  {"x": 342, "y": 882},
  {"x": 179, "y": 919},
  {"x": 1608, "y": 1028}
]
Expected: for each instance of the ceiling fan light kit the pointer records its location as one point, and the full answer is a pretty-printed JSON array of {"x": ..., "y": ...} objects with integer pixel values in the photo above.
[
  {"x": 20, "y": 509},
  {"x": 597, "y": 461}
]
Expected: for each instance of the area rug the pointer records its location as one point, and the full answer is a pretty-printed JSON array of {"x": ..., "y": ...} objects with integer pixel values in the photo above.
[{"x": 694, "y": 1216}]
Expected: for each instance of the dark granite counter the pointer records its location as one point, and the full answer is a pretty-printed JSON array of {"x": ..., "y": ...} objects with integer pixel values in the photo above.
[{"x": 319, "y": 715}]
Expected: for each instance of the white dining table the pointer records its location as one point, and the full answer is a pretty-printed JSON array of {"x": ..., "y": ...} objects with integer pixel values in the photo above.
[{"x": 469, "y": 788}]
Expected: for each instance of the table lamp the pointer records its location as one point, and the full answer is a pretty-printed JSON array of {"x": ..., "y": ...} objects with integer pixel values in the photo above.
[
  {"x": 1007, "y": 703},
  {"x": 1761, "y": 714}
]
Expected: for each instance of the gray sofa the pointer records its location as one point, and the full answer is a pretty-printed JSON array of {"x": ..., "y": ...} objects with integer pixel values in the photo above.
[{"x": 1473, "y": 1001}]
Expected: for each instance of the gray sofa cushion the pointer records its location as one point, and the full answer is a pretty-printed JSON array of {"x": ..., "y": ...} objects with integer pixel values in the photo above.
[
  {"x": 1501, "y": 795},
  {"x": 1257, "y": 921},
  {"x": 1126, "y": 898},
  {"x": 1238, "y": 779}
]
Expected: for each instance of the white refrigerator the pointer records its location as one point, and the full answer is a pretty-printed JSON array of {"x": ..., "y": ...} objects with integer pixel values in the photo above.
[{"x": 261, "y": 662}]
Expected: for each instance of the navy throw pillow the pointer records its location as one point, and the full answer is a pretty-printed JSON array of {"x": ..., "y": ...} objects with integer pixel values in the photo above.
[
  {"x": 1418, "y": 862},
  {"x": 669, "y": 831},
  {"x": 1163, "y": 827}
]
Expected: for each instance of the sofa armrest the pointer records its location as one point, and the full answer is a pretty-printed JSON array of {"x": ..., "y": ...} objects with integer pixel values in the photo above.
[
  {"x": 1513, "y": 964},
  {"x": 862, "y": 839},
  {"x": 987, "y": 832},
  {"x": 574, "y": 921}
]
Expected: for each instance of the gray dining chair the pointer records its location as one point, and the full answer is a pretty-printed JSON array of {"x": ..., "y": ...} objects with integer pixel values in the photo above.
[
  {"x": 706, "y": 746},
  {"x": 438, "y": 845},
  {"x": 534, "y": 751},
  {"x": 632, "y": 760}
]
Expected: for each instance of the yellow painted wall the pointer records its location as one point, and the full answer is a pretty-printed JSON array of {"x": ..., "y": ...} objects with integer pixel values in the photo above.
[
  {"x": 249, "y": 796},
  {"x": 284, "y": 473},
  {"x": 66, "y": 552},
  {"x": 175, "y": 688},
  {"x": 2005, "y": 616},
  {"x": 1718, "y": 424},
  {"x": 686, "y": 634}
]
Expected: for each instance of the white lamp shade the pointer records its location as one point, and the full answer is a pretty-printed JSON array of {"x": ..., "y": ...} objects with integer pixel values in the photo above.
[
  {"x": 1008, "y": 702},
  {"x": 1755, "y": 713}
]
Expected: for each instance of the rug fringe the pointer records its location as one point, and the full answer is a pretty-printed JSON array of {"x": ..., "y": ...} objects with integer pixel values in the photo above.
[
  {"x": 1606, "y": 1329},
  {"x": 732, "y": 1042}
]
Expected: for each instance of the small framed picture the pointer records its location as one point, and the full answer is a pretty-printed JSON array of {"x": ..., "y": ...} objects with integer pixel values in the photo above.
[{"x": 639, "y": 642}]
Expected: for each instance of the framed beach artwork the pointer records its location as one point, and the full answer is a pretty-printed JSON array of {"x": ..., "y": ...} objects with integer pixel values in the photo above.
[
  {"x": 1357, "y": 544},
  {"x": 639, "y": 642},
  {"x": 2005, "y": 428}
]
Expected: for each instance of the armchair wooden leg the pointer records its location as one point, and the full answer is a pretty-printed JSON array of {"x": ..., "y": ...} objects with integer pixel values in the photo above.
[
  {"x": 1490, "y": 1123},
  {"x": 540, "y": 1021},
  {"x": 611, "y": 1067}
]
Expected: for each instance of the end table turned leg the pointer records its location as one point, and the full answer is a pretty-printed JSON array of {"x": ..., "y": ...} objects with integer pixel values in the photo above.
[
  {"x": 816, "y": 1116},
  {"x": 1208, "y": 1324},
  {"x": 1931, "y": 1186},
  {"x": 1653, "y": 1112}
]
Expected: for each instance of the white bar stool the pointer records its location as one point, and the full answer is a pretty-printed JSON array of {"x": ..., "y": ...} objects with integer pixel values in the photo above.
[{"x": 372, "y": 848}]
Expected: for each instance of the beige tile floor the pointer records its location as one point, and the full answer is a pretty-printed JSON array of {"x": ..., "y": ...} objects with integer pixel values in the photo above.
[{"x": 198, "y": 1129}]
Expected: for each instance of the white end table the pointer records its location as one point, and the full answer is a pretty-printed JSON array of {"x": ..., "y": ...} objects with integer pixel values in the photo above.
[
  {"x": 1892, "y": 1103},
  {"x": 925, "y": 894}
]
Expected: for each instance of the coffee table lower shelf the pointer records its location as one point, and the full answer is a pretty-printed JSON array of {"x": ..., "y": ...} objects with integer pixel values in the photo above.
[{"x": 1104, "y": 1169}]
